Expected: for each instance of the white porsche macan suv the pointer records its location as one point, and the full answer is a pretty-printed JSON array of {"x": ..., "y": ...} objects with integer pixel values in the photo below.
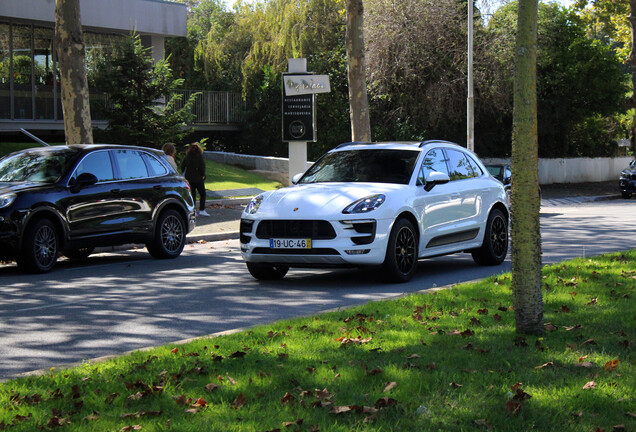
[{"x": 378, "y": 204}]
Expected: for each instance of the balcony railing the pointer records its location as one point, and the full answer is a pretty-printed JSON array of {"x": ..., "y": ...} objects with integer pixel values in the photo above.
[{"x": 214, "y": 107}]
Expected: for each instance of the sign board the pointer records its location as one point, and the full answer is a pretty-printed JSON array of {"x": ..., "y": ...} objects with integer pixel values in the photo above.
[
  {"x": 305, "y": 84},
  {"x": 299, "y": 116}
]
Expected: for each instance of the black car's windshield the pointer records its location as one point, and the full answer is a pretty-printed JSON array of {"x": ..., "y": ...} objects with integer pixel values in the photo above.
[
  {"x": 44, "y": 166},
  {"x": 358, "y": 165}
]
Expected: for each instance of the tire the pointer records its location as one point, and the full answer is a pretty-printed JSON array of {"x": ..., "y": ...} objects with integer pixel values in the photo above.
[
  {"x": 267, "y": 271},
  {"x": 494, "y": 248},
  {"x": 626, "y": 195},
  {"x": 79, "y": 253},
  {"x": 170, "y": 235},
  {"x": 39, "y": 248},
  {"x": 400, "y": 262}
]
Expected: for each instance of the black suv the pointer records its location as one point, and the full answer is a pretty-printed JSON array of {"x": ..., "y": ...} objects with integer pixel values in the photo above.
[
  {"x": 70, "y": 199},
  {"x": 627, "y": 182}
]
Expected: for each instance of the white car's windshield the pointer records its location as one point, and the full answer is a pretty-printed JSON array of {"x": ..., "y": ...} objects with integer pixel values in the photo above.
[
  {"x": 357, "y": 165},
  {"x": 35, "y": 166}
]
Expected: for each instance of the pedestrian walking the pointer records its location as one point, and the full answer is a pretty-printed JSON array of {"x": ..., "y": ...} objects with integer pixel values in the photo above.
[
  {"x": 193, "y": 167},
  {"x": 170, "y": 151}
]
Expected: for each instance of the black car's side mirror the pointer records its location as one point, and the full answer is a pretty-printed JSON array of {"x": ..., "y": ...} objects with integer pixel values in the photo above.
[
  {"x": 83, "y": 180},
  {"x": 507, "y": 181},
  {"x": 435, "y": 178}
]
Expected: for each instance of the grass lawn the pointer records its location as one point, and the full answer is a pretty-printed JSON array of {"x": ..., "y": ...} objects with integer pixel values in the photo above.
[
  {"x": 448, "y": 360},
  {"x": 219, "y": 176}
]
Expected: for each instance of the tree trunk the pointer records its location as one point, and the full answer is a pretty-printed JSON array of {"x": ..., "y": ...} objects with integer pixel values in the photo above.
[
  {"x": 526, "y": 235},
  {"x": 358, "y": 101},
  {"x": 632, "y": 56},
  {"x": 71, "y": 57}
]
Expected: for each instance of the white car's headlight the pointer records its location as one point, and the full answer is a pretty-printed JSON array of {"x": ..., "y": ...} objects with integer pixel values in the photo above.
[
  {"x": 254, "y": 204},
  {"x": 7, "y": 199},
  {"x": 365, "y": 205}
]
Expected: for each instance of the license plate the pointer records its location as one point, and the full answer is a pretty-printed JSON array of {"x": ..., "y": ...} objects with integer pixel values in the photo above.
[{"x": 290, "y": 243}]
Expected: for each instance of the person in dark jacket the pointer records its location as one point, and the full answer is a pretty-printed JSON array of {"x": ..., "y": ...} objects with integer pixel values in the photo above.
[{"x": 194, "y": 171}]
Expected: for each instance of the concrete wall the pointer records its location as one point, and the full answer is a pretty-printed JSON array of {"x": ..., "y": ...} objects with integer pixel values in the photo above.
[
  {"x": 144, "y": 16},
  {"x": 576, "y": 170}
]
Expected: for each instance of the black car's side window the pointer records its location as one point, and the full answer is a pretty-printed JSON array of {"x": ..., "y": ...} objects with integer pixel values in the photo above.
[
  {"x": 98, "y": 164},
  {"x": 131, "y": 165},
  {"x": 459, "y": 166},
  {"x": 155, "y": 168},
  {"x": 433, "y": 161}
]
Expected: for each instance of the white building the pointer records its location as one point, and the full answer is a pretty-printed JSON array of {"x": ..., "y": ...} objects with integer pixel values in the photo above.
[{"x": 29, "y": 87}]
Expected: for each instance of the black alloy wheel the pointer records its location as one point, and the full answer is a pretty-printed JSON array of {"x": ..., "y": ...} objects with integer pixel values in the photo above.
[
  {"x": 494, "y": 248},
  {"x": 400, "y": 263},
  {"x": 169, "y": 236},
  {"x": 40, "y": 247},
  {"x": 267, "y": 271}
]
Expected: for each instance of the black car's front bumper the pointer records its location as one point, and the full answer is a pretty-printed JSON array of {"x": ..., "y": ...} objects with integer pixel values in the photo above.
[{"x": 626, "y": 184}]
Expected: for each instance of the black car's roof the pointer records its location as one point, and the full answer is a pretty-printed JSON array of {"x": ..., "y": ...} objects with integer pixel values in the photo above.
[{"x": 88, "y": 147}]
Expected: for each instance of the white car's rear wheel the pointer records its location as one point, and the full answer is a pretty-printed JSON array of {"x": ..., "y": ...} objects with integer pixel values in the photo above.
[
  {"x": 494, "y": 248},
  {"x": 400, "y": 263}
]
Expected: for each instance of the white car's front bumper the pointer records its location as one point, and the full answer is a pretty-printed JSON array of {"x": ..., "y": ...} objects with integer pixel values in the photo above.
[{"x": 354, "y": 242}]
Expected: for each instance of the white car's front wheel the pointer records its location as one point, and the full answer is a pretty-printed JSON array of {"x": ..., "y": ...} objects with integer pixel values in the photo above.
[
  {"x": 494, "y": 248},
  {"x": 267, "y": 271},
  {"x": 400, "y": 263}
]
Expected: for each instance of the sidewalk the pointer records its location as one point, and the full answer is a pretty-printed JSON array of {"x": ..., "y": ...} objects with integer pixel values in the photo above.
[{"x": 225, "y": 213}]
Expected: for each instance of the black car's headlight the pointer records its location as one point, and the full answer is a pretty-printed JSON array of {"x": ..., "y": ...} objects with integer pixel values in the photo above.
[
  {"x": 254, "y": 204},
  {"x": 7, "y": 199},
  {"x": 624, "y": 175},
  {"x": 365, "y": 205}
]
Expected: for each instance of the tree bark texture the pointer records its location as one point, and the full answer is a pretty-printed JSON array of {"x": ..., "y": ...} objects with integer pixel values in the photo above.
[
  {"x": 358, "y": 101},
  {"x": 71, "y": 58},
  {"x": 632, "y": 56},
  {"x": 526, "y": 236}
]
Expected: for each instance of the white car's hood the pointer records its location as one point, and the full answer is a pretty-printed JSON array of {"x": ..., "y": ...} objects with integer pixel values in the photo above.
[{"x": 308, "y": 201}]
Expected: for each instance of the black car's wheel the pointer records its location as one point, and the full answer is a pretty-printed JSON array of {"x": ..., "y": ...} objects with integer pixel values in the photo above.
[
  {"x": 400, "y": 262},
  {"x": 170, "y": 235},
  {"x": 39, "y": 248},
  {"x": 626, "y": 195},
  {"x": 494, "y": 248},
  {"x": 267, "y": 271},
  {"x": 79, "y": 253}
]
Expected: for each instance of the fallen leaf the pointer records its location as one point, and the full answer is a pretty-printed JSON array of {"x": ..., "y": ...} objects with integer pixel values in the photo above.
[
  {"x": 590, "y": 341},
  {"x": 611, "y": 365},
  {"x": 545, "y": 365},
  {"x": 586, "y": 365},
  {"x": 482, "y": 311},
  {"x": 287, "y": 398},
  {"x": 594, "y": 300},
  {"x": 239, "y": 401},
  {"x": 496, "y": 317},
  {"x": 589, "y": 385},
  {"x": 483, "y": 422},
  {"x": 293, "y": 423},
  {"x": 513, "y": 407},
  {"x": 385, "y": 402},
  {"x": 455, "y": 385},
  {"x": 174, "y": 350},
  {"x": 237, "y": 354},
  {"x": 340, "y": 409},
  {"x": 550, "y": 327},
  {"x": 200, "y": 403},
  {"x": 389, "y": 386},
  {"x": 211, "y": 387},
  {"x": 619, "y": 427}
]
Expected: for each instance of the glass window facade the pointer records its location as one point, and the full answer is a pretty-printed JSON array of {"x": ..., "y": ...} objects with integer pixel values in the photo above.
[{"x": 29, "y": 76}]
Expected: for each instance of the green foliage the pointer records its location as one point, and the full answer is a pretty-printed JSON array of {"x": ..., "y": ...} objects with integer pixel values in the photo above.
[
  {"x": 447, "y": 360},
  {"x": 136, "y": 86},
  {"x": 580, "y": 83}
]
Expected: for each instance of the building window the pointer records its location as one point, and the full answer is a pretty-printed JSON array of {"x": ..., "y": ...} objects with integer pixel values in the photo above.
[
  {"x": 5, "y": 72},
  {"x": 22, "y": 72}
]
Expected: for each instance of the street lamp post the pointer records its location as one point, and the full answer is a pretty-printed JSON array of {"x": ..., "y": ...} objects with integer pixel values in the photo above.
[{"x": 470, "y": 116}]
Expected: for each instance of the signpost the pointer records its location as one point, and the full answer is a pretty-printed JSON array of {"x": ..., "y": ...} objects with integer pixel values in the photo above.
[{"x": 299, "y": 111}]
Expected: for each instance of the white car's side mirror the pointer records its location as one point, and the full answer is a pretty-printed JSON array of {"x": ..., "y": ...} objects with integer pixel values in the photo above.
[
  {"x": 435, "y": 178},
  {"x": 296, "y": 178}
]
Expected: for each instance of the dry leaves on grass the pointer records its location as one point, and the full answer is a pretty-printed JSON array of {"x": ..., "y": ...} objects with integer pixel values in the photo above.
[{"x": 589, "y": 385}]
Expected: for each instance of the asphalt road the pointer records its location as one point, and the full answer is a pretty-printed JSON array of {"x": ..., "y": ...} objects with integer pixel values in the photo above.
[{"x": 122, "y": 301}]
